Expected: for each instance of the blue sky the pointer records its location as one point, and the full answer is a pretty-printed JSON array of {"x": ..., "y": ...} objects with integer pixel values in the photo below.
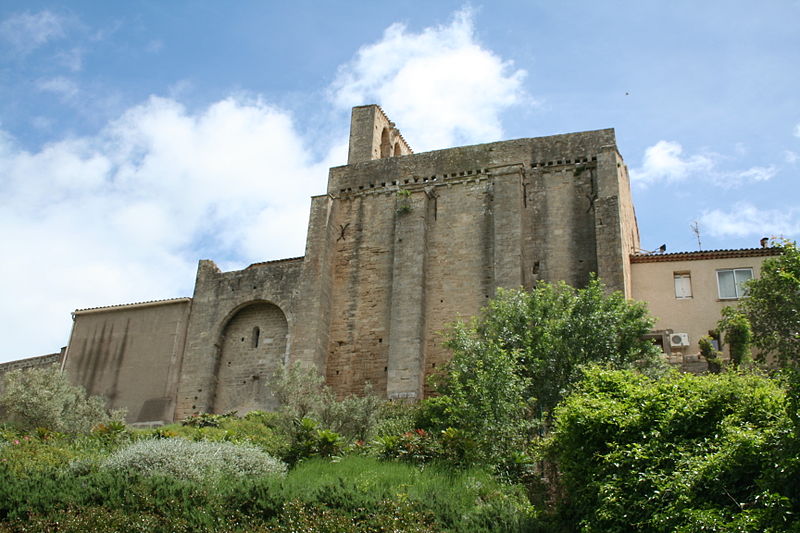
[{"x": 138, "y": 137}]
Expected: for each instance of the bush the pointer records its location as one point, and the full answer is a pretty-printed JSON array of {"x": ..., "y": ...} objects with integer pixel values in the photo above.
[
  {"x": 44, "y": 398},
  {"x": 710, "y": 354},
  {"x": 190, "y": 460},
  {"x": 736, "y": 330},
  {"x": 684, "y": 453},
  {"x": 259, "y": 428},
  {"x": 354, "y": 495},
  {"x": 303, "y": 394},
  {"x": 464, "y": 501}
]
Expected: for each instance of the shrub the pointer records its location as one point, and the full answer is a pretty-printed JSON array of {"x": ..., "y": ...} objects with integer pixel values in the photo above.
[
  {"x": 710, "y": 354},
  {"x": 43, "y": 397},
  {"x": 303, "y": 394},
  {"x": 464, "y": 501},
  {"x": 190, "y": 460},
  {"x": 484, "y": 401},
  {"x": 207, "y": 420},
  {"x": 353, "y": 416},
  {"x": 737, "y": 333},
  {"x": 356, "y": 494},
  {"x": 684, "y": 453}
]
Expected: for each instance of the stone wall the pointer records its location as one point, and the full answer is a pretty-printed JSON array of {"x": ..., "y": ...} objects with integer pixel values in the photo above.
[
  {"x": 421, "y": 240},
  {"x": 131, "y": 355},
  {"x": 225, "y": 308}
]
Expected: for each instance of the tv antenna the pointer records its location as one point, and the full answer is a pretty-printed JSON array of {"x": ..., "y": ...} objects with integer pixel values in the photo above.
[{"x": 696, "y": 230}]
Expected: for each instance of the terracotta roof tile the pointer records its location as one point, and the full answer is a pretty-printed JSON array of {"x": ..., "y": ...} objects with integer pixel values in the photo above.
[{"x": 705, "y": 255}]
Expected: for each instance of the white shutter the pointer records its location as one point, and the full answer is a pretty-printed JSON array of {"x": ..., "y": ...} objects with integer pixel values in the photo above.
[{"x": 683, "y": 286}]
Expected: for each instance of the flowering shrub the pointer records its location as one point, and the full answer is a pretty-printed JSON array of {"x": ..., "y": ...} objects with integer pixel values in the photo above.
[
  {"x": 418, "y": 446},
  {"x": 194, "y": 460}
]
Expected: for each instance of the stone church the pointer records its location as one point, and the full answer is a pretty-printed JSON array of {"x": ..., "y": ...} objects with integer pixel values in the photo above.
[{"x": 399, "y": 246}]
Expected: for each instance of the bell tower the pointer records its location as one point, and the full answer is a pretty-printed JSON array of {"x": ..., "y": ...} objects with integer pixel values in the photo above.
[{"x": 374, "y": 136}]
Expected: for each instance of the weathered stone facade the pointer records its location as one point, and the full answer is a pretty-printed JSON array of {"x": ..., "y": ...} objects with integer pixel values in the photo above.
[{"x": 400, "y": 245}]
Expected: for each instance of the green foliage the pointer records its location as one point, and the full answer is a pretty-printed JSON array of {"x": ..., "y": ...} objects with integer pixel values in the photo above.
[
  {"x": 403, "y": 201},
  {"x": 44, "y": 398},
  {"x": 259, "y": 428},
  {"x": 309, "y": 440},
  {"x": 773, "y": 305},
  {"x": 303, "y": 394},
  {"x": 554, "y": 330},
  {"x": 484, "y": 398},
  {"x": 684, "y": 453},
  {"x": 355, "y": 494},
  {"x": 193, "y": 460},
  {"x": 736, "y": 331},
  {"x": 207, "y": 420},
  {"x": 468, "y": 501},
  {"x": 710, "y": 354},
  {"x": 25, "y": 455},
  {"x": 417, "y": 446},
  {"x": 300, "y": 391},
  {"x": 395, "y": 418}
]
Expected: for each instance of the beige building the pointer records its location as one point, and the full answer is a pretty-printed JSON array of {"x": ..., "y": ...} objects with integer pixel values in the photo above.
[
  {"x": 400, "y": 245},
  {"x": 687, "y": 291}
]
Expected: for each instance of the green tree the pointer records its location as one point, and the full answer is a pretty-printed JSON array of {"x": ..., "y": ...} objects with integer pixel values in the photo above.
[
  {"x": 773, "y": 305},
  {"x": 44, "y": 397},
  {"x": 483, "y": 398},
  {"x": 554, "y": 329}
]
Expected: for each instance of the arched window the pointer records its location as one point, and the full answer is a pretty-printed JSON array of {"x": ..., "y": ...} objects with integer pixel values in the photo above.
[
  {"x": 256, "y": 335},
  {"x": 386, "y": 146},
  {"x": 397, "y": 149}
]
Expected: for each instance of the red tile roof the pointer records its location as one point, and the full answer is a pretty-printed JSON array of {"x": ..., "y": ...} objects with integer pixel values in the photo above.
[{"x": 704, "y": 255}]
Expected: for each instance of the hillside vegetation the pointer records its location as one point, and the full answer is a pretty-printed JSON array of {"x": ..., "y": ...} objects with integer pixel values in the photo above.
[{"x": 552, "y": 416}]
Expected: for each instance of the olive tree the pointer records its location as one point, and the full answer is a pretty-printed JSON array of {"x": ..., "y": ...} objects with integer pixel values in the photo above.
[{"x": 44, "y": 398}]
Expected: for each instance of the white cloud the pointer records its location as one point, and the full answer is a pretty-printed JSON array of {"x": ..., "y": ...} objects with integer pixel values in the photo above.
[
  {"x": 751, "y": 174},
  {"x": 744, "y": 220},
  {"x": 64, "y": 87},
  {"x": 28, "y": 31},
  {"x": 791, "y": 157},
  {"x": 440, "y": 85},
  {"x": 125, "y": 214},
  {"x": 72, "y": 59},
  {"x": 797, "y": 130},
  {"x": 665, "y": 162}
]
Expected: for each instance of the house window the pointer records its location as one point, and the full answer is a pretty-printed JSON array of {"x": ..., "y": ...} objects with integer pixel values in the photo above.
[
  {"x": 730, "y": 282},
  {"x": 683, "y": 285}
]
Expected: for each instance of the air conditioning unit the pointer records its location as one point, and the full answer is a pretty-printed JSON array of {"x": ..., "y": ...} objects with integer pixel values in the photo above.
[{"x": 676, "y": 340}]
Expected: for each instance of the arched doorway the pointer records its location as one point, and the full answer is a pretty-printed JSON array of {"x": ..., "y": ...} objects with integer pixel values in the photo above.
[{"x": 252, "y": 348}]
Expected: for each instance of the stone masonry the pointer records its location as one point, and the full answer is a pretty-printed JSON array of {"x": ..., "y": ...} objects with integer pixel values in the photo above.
[{"x": 399, "y": 246}]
